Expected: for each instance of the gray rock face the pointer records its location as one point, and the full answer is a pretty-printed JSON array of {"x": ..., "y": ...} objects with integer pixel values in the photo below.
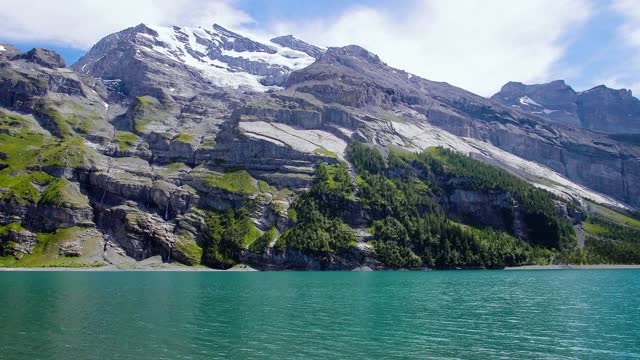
[
  {"x": 294, "y": 260},
  {"x": 9, "y": 51},
  {"x": 555, "y": 100},
  {"x": 355, "y": 78},
  {"x": 601, "y": 108},
  {"x": 44, "y": 57},
  {"x": 165, "y": 123},
  {"x": 296, "y": 44},
  {"x": 609, "y": 110},
  {"x": 17, "y": 243},
  {"x": 142, "y": 235}
]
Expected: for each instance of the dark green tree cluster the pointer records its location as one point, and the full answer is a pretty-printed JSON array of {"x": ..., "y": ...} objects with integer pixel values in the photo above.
[
  {"x": 332, "y": 191},
  {"x": 438, "y": 242},
  {"x": 320, "y": 230},
  {"x": 261, "y": 244},
  {"x": 611, "y": 251},
  {"x": 225, "y": 233},
  {"x": 411, "y": 230},
  {"x": 547, "y": 229},
  {"x": 612, "y": 243}
]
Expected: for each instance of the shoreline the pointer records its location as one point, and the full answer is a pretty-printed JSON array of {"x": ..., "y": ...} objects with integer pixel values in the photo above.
[
  {"x": 246, "y": 268},
  {"x": 574, "y": 267}
]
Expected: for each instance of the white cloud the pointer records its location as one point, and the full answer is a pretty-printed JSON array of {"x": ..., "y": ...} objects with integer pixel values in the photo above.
[
  {"x": 477, "y": 45},
  {"x": 625, "y": 75},
  {"x": 630, "y": 30},
  {"x": 81, "y": 23}
]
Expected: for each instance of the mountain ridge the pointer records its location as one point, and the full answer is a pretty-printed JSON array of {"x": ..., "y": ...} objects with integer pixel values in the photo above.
[
  {"x": 161, "y": 154},
  {"x": 599, "y": 108},
  {"x": 217, "y": 53}
]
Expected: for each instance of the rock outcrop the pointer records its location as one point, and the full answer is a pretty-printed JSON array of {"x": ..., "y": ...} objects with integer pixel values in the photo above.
[
  {"x": 131, "y": 149},
  {"x": 601, "y": 108}
]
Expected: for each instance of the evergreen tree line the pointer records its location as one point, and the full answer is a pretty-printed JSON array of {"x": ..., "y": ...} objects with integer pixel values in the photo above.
[
  {"x": 225, "y": 233},
  {"x": 411, "y": 229},
  {"x": 612, "y": 243},
  {"x": 320, "y": 230},
  {"x": 399, "y": 197}
]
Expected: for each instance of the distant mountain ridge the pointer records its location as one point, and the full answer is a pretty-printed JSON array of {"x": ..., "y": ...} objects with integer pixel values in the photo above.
[{"x": 600, "y": 108}]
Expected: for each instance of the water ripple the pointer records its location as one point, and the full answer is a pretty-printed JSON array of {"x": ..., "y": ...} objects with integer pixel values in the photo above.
[{"x": 394, "y": 315}]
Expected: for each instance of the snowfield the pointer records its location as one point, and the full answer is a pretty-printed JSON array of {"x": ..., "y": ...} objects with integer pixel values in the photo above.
[{"x": 187, "y": 46}]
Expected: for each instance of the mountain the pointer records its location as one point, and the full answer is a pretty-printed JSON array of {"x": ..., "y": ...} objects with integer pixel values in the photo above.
[
  {"x": 601, "y": 108},
  {"x": 204, "y": 146},
  {"x": 169, "y": 56}
]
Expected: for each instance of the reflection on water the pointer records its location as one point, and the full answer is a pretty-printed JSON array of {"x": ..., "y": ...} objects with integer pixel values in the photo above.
[{"x": 467, "y": 314}]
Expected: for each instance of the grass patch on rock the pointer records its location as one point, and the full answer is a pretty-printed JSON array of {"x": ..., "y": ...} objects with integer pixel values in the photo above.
[
  {"x": 614, "y": 215},
  {"x": 239, "y": 181},
  {"x": 46, "y": 253},
  {"x": 261, "y": 244},
  {"x": 326, "y": 152},
  {"x": 252, "y": 234},
  {"x": 61, "y": 193},
  {"x": 126, "y": 140},
  {"x": 184, "y": 138},
  {"x": 190, "y": 249}
]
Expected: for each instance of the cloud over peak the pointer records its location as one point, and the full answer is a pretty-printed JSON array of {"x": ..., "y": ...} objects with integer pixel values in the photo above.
[
  {"x": 477, "y": 45},
  {"x": 81, "y": 23}
]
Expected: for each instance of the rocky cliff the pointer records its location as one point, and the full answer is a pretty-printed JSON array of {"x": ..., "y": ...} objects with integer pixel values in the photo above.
[
  {"x": 601, "y": 108},
  {"x": 138, "y": 148}
]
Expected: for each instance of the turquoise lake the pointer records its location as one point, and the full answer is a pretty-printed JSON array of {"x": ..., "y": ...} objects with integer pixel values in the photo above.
[{"x": 586, "y": 314}]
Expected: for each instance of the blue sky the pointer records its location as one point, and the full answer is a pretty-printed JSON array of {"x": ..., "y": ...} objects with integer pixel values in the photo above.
[
  {"x": 597, "y": 50},
  {"x": 261, "y": 11},
  {"x": 478, "y": 45}
]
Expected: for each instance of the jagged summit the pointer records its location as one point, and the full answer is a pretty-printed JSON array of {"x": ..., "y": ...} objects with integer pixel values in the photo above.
[
  {"x": 605, "y": 89},
  {"x": 599, "y": 108},
  {"x": 353, "y": 51},
  {"x": 43, "y": 57},
  {"x": 297, "y": 44},
  {"x": 222, "y": 57},
  {"x": 8, "y": 51}
]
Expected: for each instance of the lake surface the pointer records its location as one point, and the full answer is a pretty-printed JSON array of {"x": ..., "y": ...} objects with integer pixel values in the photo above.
[{"x": 588, "y": 314}]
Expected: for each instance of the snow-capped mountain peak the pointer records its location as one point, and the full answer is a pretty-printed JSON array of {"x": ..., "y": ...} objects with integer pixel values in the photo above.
[{"x": 226, "y": 59}]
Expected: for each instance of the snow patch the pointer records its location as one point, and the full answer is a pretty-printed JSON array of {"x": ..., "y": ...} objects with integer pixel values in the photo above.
[
  {"x": 2, "y": 48},
  {"x": 186, "y": 46},
  {"x": 525, "y": 100},
  {"x": 211, "y": 69},
  {"x": 291, "y": 59}
]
